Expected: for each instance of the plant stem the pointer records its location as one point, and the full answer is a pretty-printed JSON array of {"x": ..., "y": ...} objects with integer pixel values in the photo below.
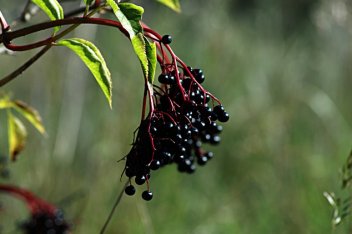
[
  {"x": 32, "y": 60},
  {"x": 102, "y": 231}
]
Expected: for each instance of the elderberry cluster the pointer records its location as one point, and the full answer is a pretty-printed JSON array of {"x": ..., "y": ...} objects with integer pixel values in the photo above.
[
  {"x": 183, "y": 118},
  {"x": 43, "y": 223}
]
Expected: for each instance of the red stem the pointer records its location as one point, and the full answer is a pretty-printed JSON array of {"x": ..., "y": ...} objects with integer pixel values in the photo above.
[
  {"x": 34, "y": 204},
  {"x": 8, "y": 36}
]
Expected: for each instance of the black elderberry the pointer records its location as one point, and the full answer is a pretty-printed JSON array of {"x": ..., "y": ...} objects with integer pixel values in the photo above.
[
  {"x": 130, "y": 190},
  {"x": 219, "y": 109},
  {"x": 140, "y": 180},
  {"x": 129, "y": 172},
  {"x": 179, "y": 158},
  {"x": 206, "y": 137},
  {"x": 163, "y": 78},
  {"x": 186, "y": 84},
  {"x": 191, "y": 169},
  {"x": 155, "y": 165},
  {"x": 166, "y": 39},
  {"x": 214, "y": 140},
  {"x": 178, "y": 138},
  {"x": 198, "y": 75},
  {"x": 224, "y": 117},
  {"x": 213, "y": 116},
  {"x": 209, "y": 155},
  {"x": 172, "y": 80},
  {"x": 215, "y": 128},
  {"x": 207, "y": 98},
  {"x": 147, "y": 195},
  {"x": 202, "y": 160}
]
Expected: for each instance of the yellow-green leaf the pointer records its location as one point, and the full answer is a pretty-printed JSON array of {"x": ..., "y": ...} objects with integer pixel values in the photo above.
[
  {"x": 5, "y": 102},
  {"x": 52, "y": 8},
  {"x": 172, "y": 4},
  {"x": 138, "y": 44},
  {"x": 129, "y": 16},
  {"x": 95, "y": 62},
  {"x": 30, "y": 114},
  {"x": 152, "y": 59},
  {"x": 146, "y": 52},
  {"x": 17, "y": 135}
]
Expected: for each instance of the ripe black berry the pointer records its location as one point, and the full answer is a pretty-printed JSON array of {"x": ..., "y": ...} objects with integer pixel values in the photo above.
[
  {"x": 147, "y": 195},
  {"x": 214, "y": 140},
  {"x": 209, "y": 155},
  {"x": 140, "y": 180},
  {"x": 163, "y": 78},
  {"x": 166, "y": 39},
  {"x": 198, "y": 75},
  {"x": 155, "y": 165},
  {"x": 130, "y": 190},
  {"x": 202, "y": 160},
  {"x": 224, "y": 117},
  {"x": 218, "y": 109}
]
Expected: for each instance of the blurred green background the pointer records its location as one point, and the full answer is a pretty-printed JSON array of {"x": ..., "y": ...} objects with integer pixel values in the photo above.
[{"x": 281, "y": 68}]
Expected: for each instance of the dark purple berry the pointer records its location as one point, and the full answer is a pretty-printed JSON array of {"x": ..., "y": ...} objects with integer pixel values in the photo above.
[
  {"x": 202, "y": 160},
  {"x": 155, "y": 165},
  {"x": 219, "y": 109},
  {"x": 166, "y": 39},
  {"x": 224, "y": 117},
  {"x": 214, "y": 140},
  {"x": 140, "y": 180},
  {"x": 130, "y": 190},
  {"x": 147, "y": 195},
  {"x": 209, "y": 155},
  {"x": 163, "y": 78}
]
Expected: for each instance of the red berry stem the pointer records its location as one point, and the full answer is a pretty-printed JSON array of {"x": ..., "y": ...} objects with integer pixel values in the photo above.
[{"x": 35, "y": 204}]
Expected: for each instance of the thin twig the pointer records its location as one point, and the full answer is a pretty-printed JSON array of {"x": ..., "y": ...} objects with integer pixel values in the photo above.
[
  {"x": 22, "y": 68},
  {"x": 27, "y": 64},
  {"x": 113, "y": 208}
]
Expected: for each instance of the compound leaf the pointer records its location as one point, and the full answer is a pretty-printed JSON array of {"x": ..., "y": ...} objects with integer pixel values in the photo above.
[
  {"x": 17, "y": 135},
  {"x": 52, "y": 8},
  {"x": 172, "y": 4},
  {"x": 95, "y": 62}
]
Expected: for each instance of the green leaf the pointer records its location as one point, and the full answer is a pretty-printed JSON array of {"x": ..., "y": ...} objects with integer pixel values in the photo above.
[
  {"x": 146, "y": 53},
  {"x": 17, "y": 135},
  {"x": 93, "y": 59},
  {"x": 52, "y": 8},
  {"x": 5, "y": 102},
  {"x": 152, "y": 60},
  {"x": 173, "y": 4},
  {"x": 30, "y": 114},
  {"x": 129, "y": 16}
]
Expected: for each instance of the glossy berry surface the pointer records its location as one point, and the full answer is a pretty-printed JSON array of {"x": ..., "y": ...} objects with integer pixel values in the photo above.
[
  {"x": 147, "y": 195},
  {"x": 166, "y": 39},
  {"x": 130, "y": 190}
]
